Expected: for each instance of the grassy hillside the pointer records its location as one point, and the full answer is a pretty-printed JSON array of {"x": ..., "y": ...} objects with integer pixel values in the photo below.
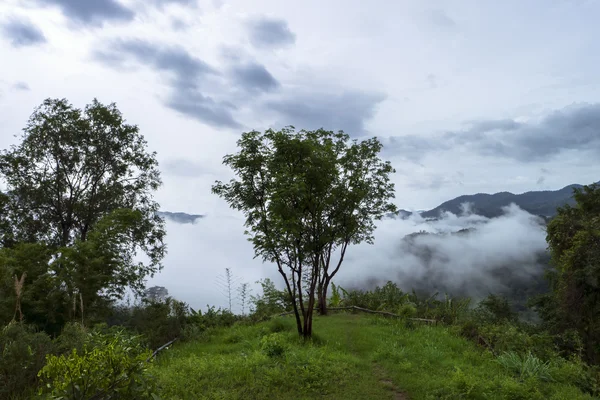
[{"x": 352, "y": 357}]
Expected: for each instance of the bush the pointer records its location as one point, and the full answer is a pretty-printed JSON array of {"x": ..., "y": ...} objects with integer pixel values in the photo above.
[
  {"x": 22, "y": 355},
  {"x": 110, "y": 365},
  {"x": 73, "y": 336},
  {"x": 277, "y": 325},
  {"x": 273, "y": 345},
  {"x": 271, "y": 302},
  {"x": 159, "y": 321},
  {"x": 494, "y": 309},
  {"x": 526, "y": 367}
]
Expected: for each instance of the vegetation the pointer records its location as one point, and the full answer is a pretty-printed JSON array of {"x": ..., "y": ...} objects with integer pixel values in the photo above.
[
  {"x": 353, "y": 357},
  {"x": 307, "y": 195},
  {"x": 574, "y": 242},
  {"x": 78, "y": 207}
]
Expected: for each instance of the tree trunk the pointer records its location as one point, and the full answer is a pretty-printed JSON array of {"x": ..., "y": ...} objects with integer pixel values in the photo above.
[
  {"x": 323, "y": 296},
  {"x": 294, "y": 304}
]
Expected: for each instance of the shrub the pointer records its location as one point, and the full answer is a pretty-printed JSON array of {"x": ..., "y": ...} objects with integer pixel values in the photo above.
[
  {"x": 494, "y": 309},
  {"x": 277, "y": 325},
  {"x": 273, "y": 345},
  {"x": 22, "y": 355},
  {"x": 509, "y": 337},
  {"x": 110, "y": 365},
  {"x": 73, "y": 336},
  {"x": 271, "y": 302},
  {"x": 159, "y": 321},
  {"x": 526, "y": 367}
]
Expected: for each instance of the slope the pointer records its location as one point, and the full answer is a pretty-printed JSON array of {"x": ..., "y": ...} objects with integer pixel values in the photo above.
[{"x": 353, "y": 357}]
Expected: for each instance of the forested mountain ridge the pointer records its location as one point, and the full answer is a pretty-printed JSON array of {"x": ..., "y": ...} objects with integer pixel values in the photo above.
[{"x": 543, "y": 203}]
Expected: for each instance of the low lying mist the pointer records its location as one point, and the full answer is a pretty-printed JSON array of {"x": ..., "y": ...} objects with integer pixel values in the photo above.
[{"x": 464, "y": 254}]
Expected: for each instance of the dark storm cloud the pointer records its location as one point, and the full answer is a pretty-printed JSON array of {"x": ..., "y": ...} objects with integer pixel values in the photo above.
[
  {"x": 270, "y": 33},
  {"x": 22, "y": 33},
  {"x": 92, "y": 12},
  {"x": 186, "y": 75},
  {"x": 347, "y": 111},
  {"x": 254, "y": 77},
  {"x": 576, "y": 127}
]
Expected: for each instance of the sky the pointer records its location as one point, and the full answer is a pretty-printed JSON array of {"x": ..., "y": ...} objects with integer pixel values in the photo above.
[{"x": 467, "y": 96}]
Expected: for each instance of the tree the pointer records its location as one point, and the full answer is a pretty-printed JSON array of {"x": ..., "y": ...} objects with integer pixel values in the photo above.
[
  {"x": 573, "y": 237},
  {"x": 156, "y": 293},
  {"x": 306, "y": 196},
  {"x": 81, "y": 182}
]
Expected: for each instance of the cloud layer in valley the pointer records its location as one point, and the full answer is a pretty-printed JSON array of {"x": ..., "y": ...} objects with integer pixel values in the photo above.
[{"x": 498, "y": 253}]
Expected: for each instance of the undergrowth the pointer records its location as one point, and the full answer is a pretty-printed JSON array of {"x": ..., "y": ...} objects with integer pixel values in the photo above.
[{"x": 353, "y": 358}]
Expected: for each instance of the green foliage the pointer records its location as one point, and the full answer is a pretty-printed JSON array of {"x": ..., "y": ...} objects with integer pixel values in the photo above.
[
  {"x": 273, "y": 345},
  {"x": 79, "y": 191},
  {"x": 389, "y": 298},
  {"x": 574, "y": 242},
  {"x": 73, "y": 336},
  {"x": 272, "y": 301},
  {"x": 307, "y": 195},
  {"x": 525, "y": 367},
  {"x": 449, "y": 310},
  {"x": 336, "y": 296},
  {"x": 494, "y": 309},
  {"x": 159, "y": 321},
  {"x": 42, "y": 302},
  {"x": 22, "y": 354},
  {"x": 359, "y": 357},
  {"x": 277, "y": 325},
  {"x": 109, "y": 366}
]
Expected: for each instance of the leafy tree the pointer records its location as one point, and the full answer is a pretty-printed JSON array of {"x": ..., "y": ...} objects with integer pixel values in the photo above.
[
  {"x": 156, "y": 293},
  {"x": 574, "y": 241},
  {"x": 81, "y": 184},
  {"x": 307, "y": 195}
]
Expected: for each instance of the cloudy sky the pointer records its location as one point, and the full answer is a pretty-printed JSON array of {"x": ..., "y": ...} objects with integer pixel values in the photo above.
[{"x": 467, "y": 95}]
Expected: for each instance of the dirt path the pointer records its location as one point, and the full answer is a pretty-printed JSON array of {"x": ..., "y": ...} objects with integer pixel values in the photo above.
[
  {"x": 385, "y": 381},
  {"x": 380, "y": 374}
]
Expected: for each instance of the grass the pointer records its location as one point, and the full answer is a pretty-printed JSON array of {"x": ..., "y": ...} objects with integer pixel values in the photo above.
[{"x": 351, "y": 357}]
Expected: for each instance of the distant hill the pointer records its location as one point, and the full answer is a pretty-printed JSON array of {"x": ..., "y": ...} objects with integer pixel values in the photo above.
[
  {"x": 543, "y": 203},
  {"x": 180, "y": 217}
]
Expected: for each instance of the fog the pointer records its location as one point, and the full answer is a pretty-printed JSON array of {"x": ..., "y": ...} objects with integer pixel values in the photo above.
[{"x": 500, "y": 254}]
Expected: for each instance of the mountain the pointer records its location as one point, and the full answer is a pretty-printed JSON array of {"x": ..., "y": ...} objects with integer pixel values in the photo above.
[
  {"x": 543, "y": 203},
  {"x": 180, "y": 217}
]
